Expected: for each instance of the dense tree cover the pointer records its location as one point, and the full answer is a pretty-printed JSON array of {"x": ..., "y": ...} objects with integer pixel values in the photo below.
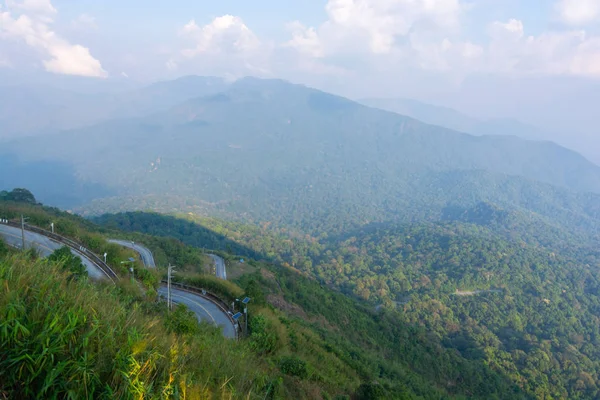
[
  {"x": 405, "y": 360},
  {"x": 18, "y": 195},
  {"x": 305, "y": 340},
  {"x": 510, "y": 289},
  {"x": 273, "y": 151}
]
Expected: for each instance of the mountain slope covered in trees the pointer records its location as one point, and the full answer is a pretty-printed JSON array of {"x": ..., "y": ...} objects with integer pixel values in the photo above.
[
  {"x": 270, "y": 150},
  {"x": 504, "y": 287},
  {"x": 306, "y": 341}
]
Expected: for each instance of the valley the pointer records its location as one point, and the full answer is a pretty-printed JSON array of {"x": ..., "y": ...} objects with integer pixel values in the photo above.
[{"x": 407, "y": 259}]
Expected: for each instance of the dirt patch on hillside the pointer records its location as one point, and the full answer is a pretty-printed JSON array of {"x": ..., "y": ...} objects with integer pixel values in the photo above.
[{"x": 279, "y": 302}]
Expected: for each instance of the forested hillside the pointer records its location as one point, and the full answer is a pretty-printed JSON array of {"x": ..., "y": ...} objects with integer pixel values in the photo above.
[
  {"x": 269, "y": 150},
  {"x": 505, "y": 288},
  {"x": 452, "y": 119},
  {"x": 388, "y": 258},
  {"x": 306, "y": 341}
]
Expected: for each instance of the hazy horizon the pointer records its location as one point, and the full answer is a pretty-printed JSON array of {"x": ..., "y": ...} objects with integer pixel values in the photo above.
[{"x": 538, "y": 63}]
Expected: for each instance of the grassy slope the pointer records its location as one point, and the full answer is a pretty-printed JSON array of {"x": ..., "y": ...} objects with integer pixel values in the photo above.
[
  {"x": 84, "y": 341},
  {"x": 119, "y": 328}
]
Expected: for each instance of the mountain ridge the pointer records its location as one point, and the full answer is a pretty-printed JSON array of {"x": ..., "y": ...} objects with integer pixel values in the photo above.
[{"x": 268, "y": 147}]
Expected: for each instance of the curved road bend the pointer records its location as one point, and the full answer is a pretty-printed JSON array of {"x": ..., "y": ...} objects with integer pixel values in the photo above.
[
  {"x": 148, "y": 258},
  {"x": 204, "y": 309},
  {"x": 145, "y": 253},
  {"x": 45, "y": 246}
]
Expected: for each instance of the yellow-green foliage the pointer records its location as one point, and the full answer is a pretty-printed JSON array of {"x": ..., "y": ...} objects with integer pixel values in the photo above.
[
  {"x": 225, "y": 289},
  {"x": 76, "y": 340}
]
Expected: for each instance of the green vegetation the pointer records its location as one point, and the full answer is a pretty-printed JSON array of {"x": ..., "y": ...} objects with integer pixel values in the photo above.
[
  {"x": 507, "y": 289},
  {"x": 68, "y": 338},
  {"x": 65, "y": 339},
  {"x": 304, "y": 340},
  {"x": 266, "y": 150},
  {"x": 225, "y": 290},
  {"x": 69, "y": 262},
  {"x": 387, "y": 259},
  {"x": 18, "y": 195}
]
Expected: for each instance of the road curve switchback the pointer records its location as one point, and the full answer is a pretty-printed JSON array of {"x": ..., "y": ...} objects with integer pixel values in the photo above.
[
  {"x": 45, "y": 246},
  {"x": 204, "y": 309}
]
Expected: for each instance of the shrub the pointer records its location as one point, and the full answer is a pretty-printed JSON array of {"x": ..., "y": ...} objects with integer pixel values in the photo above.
[
  {"x": 182, "y": 321},
  {"x": 69, "y": 262},
  {"x": 262, "y": 339},
  {"x": 293, "y": 366},
  {"x": 226, "y": 290}
]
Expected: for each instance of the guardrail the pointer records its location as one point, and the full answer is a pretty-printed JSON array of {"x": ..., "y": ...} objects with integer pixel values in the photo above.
[
  {"x": 113, "y": 276},
  {"x": 207, "y": 295},
  {"x": 108, "y": 271}
]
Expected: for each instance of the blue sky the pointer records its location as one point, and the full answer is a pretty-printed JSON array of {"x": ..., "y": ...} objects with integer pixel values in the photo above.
[
  {"x": 316, "y": 39},
  {"x": 459, "y": 53}
]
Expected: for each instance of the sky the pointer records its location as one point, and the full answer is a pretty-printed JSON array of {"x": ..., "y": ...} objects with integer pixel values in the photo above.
[{"x": 488, "y": 58}]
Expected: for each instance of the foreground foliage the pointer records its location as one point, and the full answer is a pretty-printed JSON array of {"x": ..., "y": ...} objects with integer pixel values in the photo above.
[{"x": 74, "y": 340}]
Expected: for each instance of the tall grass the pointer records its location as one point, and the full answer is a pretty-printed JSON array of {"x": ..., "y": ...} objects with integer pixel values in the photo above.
[{"x": 74, "y": 340}]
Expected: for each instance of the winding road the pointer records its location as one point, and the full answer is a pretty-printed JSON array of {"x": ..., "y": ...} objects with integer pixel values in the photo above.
[
  {"x": 204, "y": 309},
  {"x": 145, "y": 253},
  {"x": 46, "y": 246},
  {"x": 221, "y": 272}
]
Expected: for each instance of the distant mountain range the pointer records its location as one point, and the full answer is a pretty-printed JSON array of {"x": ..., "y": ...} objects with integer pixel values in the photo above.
[
  {"x": 271, "y": 150},
  {"x": 452, "y": 119},
  {"x": 31, "y": 110}
]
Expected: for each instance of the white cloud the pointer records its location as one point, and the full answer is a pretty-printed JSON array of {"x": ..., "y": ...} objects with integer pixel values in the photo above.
[
  {"x": 578, "y": 12},
  {"x": 226, "y": 34},
  {"x": 445, "y": 55},
  {"x": 388, "y": 34},
  {"x": 550, "y": 53},
  {"x": 374, "y": 25},
  {"x": 305, "y": 40},
  {"x": 223, "y": 46},
  {"x": 425, "y": 34},
  {"x": 32, "y": 26},
  {"x": 383, "y": 21}
]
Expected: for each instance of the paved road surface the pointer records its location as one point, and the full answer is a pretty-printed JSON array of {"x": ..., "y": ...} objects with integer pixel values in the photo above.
[
  {"x": 145, "y": 253},
  {"x": 204, "y": 309},
  {"x": 45, "y": 246},
  {"x": 219, "y": 266}
]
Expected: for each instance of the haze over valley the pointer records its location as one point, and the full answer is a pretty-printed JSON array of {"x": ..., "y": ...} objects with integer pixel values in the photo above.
[{"x": 324, "y": 200}]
